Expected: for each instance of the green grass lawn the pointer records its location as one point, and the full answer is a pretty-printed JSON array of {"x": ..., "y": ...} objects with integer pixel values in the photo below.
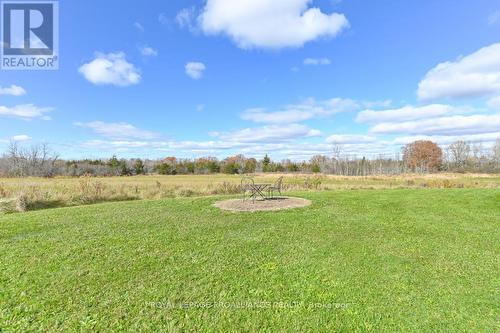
[{"x": 355, "y": 261}]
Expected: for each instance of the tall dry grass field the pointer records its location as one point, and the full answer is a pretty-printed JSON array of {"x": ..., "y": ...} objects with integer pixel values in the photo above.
[{"x": 22, "y": 194}]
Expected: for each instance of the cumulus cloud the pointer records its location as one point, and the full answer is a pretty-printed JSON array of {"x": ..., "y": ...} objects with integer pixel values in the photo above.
[
  {"x": 269, "y": 24},
  {"x": 148, "y": 51},
  {"x": 306, "y": 110},
  {"x": 25, "y": 112},
  {"x": 475, "y": 75},
  {"x": 406, "y": 113},
  {"x": 222, "y": 148},
  {"x": 16, "y": 138},
  {"x": 111, "y": 69},
  {"x": 203, "y": 145},
  {"x": 453, "y": 125},
  {"x": 378, "y": 104},
  {"x": 350, "y": 139},
  {"x": 20, "y": 138},
  {"x": 268, "y": 134},
  {"x": 13, "y": 90},
  {"x": 118, "y": 130},
  {"x": 195, "y": 70},
  {"x": 218, "y": 147},
  {"x": 449, "y": 139},
  {"x": 186, "y": 18},
  {"x": 317, "y": 61}
]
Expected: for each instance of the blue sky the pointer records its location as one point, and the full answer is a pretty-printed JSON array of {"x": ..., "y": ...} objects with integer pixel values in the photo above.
[{"x": 290, "y": 78}]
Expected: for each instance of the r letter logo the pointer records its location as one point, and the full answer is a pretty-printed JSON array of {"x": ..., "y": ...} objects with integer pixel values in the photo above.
[{"x": 30, "y": 33}]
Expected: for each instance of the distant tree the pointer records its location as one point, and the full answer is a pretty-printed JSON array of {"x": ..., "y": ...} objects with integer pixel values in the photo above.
[
  {"x": 171, "y": 160},
  {"x": 315, "y": 168},
  {"x": 290, "y": 166},
  {"x": 423, "y": 156},
  {"x": 266, "y": 162},
  {"x": 37, "y": 160},
  {"x": 496, "y": 150},
  {"x": 460, "y": 153},
  {"x": 233, "y": 165},
  {"x": 164, "y": 169},
  {"x": 190, "y": 167},
  {"x": 139, "y": 167},
  {"x": 278, "y": 167},
  {"x": 250, "y": 165},
  {"x": 168, "y": 166},
  {"x": 118, "y": 167},
  {"x": 124, "y": 169},
  {"x": 213, "y": 166},
  {"x": 319, "y": 163}
]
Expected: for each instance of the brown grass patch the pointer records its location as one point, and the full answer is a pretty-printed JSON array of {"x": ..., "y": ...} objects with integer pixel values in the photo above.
[{"x": 281, "y": 203}]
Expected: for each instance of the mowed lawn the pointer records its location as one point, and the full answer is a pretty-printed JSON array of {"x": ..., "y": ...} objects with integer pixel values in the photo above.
[{"x": 355, "y": 261}]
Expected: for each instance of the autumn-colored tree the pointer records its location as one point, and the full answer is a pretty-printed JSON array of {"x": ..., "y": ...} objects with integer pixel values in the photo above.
[
  {"x": 423, "y": 156},
  {"x": 233, "y": 164},
  {"x": 172, "y": 160}
]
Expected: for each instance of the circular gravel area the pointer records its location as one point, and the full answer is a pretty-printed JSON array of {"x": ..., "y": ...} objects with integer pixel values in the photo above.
[{"x": 238, "y": 205}]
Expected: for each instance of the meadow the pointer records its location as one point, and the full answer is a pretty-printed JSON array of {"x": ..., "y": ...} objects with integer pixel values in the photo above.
[
  {"x": 25, "y": 194},
  {"x": 417, "y": 259}
]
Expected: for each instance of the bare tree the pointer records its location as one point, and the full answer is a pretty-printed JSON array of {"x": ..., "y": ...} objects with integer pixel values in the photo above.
[
  {"x": 496, "y": 150},
  {"x": 460, "y": 153},
  {"x": 37, "y": 160}
]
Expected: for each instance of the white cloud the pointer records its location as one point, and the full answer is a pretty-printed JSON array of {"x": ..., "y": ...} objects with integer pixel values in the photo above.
[
  {"x": 405, "y": 113},
  {"x": 13, "y": 90},
  {"x": 475, "y": 75},
  {"x": 203, "y": 145},
  {"x": 268, "y": 134},
  {"x": 148, "y": 51},
  {"x": 494, "y": 17},
  {"x": 293, "y": 150},
  {"x": 378, "y": 104},
  {"x": 259, "y": 115},
  {"x": 317, "y": 61},
  {"x": 186, "y": 18},
  {"x": 111, "y": 69},
  {"x": 195, "y": 70},
  {"x": 306, "y": 110},
  {"x": 269, "y": 24},
  {"x": 139, "y": 26},
  {"x": 350, "y": 139},
  {"x": 21, "y": 138},
  {"x": 121, "y": 144},
  {"x": 454, "y": 125},
  {"x": 223, "y": 148},
  {"x": 163, "y": 19},
  {"x": 494, "y": 103},
  {"x": 200, "y": 107},
  {"x": 25, "y": 111},
  {"x": 448, "y": 139},
  {"x": 118, "y": 130}
]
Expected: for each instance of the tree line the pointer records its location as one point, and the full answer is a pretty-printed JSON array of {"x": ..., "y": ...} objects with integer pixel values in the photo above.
[{"x": 419, "y": 157}]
